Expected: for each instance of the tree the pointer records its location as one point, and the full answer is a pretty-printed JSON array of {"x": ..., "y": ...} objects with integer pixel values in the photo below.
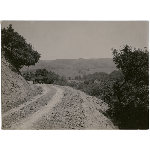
[
  {"x": 16, "y": 49},
  {"x": 134, "y": 64},
  {"x": 51, "y": 77},
  {"x": 130, "y": 100}
]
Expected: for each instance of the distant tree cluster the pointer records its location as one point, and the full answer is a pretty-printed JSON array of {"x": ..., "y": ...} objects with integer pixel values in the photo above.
[
  {"x": 16, "y": 49},
  {"x": 48, "y": 77}
]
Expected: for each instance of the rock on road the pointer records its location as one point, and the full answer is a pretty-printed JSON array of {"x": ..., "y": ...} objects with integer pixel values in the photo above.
[{"x": 58, "y": 108}]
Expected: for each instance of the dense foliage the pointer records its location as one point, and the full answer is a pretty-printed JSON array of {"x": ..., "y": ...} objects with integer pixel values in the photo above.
[
  {"x": 16, "y": 49},
  {"x": 130, "y": 98},
  {"x": 133, "y": 64}
]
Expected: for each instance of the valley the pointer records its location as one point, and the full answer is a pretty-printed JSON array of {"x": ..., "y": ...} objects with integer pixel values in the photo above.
[{"x": 74, "y": 67}]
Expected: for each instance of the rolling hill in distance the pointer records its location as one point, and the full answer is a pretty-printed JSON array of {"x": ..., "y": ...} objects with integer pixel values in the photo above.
[{"x": 74, "y": 67}]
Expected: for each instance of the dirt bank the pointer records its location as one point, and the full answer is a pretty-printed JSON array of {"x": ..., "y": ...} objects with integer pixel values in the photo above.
[{"x": 15, "y": 89}]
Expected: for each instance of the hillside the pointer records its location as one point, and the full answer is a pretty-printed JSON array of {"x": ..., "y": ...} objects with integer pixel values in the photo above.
[
  {"x": 75, "y": 67},
  {"x": 15, "y": 89}
]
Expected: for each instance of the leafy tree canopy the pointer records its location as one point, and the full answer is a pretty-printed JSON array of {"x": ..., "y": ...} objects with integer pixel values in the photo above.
[
  {"x": 16, "y": 49},
  {"x": 134, "y": 64},
  {"x": 132, "y": 93}
]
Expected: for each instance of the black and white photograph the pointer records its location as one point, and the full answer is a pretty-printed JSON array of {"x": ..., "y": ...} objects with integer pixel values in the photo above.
[{"x": 75, "y": 75}]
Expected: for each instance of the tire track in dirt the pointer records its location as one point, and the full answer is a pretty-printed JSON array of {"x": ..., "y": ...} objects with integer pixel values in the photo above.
[
  {"x": 28, "y": 122},
  {"x": 66, "y": 109},
  {"x": 68, "y": 114},
  {"x": 14, "y": 116},
  {"x": 26, "y": 103},
  {"x": 76, "y": 111}
]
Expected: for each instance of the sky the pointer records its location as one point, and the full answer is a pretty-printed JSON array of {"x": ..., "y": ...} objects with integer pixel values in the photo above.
[{"x": 81, "y": 39}]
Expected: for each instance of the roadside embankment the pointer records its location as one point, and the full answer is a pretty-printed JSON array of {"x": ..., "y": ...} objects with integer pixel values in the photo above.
[{"x": 15, "y": 90}]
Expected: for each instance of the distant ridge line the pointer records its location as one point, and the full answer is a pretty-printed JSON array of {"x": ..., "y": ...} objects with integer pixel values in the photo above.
[{"x": 75, "y": 67}]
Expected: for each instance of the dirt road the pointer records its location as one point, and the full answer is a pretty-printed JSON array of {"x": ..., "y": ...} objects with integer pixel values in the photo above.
[{"x": 58, "y": 108}]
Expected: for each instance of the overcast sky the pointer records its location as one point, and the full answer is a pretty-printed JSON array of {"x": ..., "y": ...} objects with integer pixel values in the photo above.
[{"x": 77, "y": 39}]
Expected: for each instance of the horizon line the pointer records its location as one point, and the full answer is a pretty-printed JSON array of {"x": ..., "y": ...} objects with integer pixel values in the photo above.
[{"x": 76, "y": 58}]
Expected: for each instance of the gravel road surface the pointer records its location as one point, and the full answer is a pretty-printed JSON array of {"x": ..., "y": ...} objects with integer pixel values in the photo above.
[{"x": 58, "y": 108}]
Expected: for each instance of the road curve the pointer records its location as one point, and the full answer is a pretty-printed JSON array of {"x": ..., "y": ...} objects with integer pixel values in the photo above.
[
  {"x": 58, "y": 107},
  {"x": 76, "y": 111},
  {"x": 28, "y": 122},
  {"x": 45, "y": 91},
  {"x": 27, "y": 113}
]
